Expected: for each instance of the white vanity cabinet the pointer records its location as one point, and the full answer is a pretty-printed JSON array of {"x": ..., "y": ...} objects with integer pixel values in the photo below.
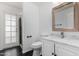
[
  {"x": 62, "y": 49},
  {"x": 47, "y": 47}
]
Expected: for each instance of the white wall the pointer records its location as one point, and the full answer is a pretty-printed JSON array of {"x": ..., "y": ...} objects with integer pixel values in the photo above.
[
  {"x": 30, "y": 25},
  {"x": 45, "y": 16}
]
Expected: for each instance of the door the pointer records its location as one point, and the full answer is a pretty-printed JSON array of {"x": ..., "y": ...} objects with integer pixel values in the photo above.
[{"x": 20, "y": 31}]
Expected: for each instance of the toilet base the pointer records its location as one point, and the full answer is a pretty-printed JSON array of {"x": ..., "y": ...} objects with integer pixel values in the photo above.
[{"x": 36, "y": 52}]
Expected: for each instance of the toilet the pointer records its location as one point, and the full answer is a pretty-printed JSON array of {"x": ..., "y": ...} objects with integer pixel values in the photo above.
[{"x": 36, "y": 46}]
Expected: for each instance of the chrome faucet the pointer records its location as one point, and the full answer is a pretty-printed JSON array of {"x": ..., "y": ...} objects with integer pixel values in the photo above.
[{"x": 62, "y": 34}]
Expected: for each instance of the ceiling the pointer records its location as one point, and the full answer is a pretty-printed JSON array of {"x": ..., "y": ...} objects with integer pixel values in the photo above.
[
  {"x": 14, "y": 4},
  {"x": 19, "y": 4},
  {"x": 42, "y": 3}
]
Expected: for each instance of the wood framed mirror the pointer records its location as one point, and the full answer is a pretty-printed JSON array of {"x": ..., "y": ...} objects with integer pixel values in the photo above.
[{"x": 66, "y": 17}]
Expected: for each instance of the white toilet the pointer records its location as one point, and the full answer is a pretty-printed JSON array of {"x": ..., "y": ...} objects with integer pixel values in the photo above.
[{"x": 36, "y": 46}]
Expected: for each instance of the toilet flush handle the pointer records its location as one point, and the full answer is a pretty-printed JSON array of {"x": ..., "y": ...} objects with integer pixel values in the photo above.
[{"x": 29, "y": 36}]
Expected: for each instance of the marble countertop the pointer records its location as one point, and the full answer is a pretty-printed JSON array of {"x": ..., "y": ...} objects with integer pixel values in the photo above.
[{"x": 68, "y": 40}]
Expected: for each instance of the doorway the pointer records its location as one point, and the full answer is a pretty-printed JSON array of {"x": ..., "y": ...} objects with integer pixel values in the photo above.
[{"x": 20, "y": 31}]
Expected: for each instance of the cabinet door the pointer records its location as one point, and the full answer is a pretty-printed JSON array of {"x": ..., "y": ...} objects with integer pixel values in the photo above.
[
  {"x": 47, "y": 48},
  {"x": 66, "y": 50}
]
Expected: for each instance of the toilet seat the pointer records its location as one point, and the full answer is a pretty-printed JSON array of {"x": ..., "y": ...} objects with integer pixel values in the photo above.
[{"x": 36, "y": 45}]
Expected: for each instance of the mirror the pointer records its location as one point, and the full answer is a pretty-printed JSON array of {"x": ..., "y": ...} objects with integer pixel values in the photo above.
[{"x": 64, "y": 17}]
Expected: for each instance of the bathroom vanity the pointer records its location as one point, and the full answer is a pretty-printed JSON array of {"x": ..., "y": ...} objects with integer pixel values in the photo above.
[
  {"x": 66, "y": 17},
  {"x": 59, "y": 46}
]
